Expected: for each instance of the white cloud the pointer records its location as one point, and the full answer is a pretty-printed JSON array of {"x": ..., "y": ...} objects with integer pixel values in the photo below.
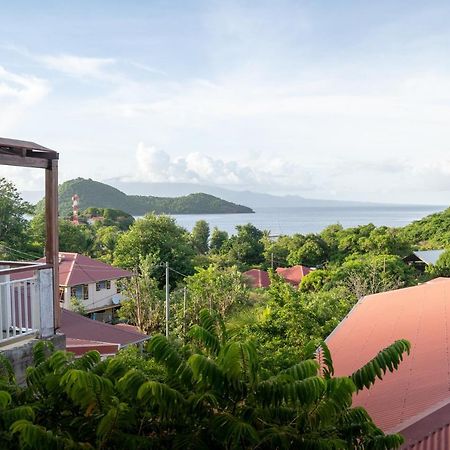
[
  {"x": 18, "y": 93},
  {"x": 158, "y": 166},
  {"x": 79, "y": 66}
]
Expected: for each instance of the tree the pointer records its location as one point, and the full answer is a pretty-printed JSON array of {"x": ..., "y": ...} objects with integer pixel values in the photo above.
[
  {"x": 442, "y": 266},
  {"x": 72, "y": 237},
  {"x": 215, "y": 288},
  {"x": 246, "y": 246},
  {"x": 156, "y": 239},
  {"x": 106, "y": 238},
  {"x": 13, "y": 224},
  {"x": 218, "y": 239},
  {"x": 143, "y": 301},
  {"x": 312, "y": 253},
  {"x": 200, "y": 236},
  {"x": 370, "y": 274}
]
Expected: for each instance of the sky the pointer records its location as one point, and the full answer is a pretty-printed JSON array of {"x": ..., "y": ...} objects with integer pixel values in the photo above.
[{"x": 338, "y": 100}]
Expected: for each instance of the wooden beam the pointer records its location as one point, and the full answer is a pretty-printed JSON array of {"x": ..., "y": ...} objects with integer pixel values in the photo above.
[
  {"x": 51, "y": 221},
  {"x": 24, "y": 161}
]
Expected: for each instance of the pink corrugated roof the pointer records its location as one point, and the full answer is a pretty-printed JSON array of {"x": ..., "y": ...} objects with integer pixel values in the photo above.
[
  {"x": 81, "y": 346},
  {"x": 76, "y": 326},
  {"x": 420, "y": 314},
  {"x": 257, "y": 278},
  {"x": 75, "y": 269},
  {"x": 293, "y": 274}
]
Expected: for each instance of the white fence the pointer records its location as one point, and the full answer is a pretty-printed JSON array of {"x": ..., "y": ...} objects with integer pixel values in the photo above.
[{"x": 26, "y": 301}]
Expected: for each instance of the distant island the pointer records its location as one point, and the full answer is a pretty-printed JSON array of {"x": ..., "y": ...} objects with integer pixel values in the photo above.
[{"x": 100, "y": 195}]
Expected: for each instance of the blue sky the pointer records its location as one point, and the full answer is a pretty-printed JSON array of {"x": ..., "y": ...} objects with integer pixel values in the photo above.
[{"x": 329, "y": 99}]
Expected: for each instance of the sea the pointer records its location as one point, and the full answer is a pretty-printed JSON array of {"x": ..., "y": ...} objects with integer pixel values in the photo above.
[{"x": 291, "y": 220}]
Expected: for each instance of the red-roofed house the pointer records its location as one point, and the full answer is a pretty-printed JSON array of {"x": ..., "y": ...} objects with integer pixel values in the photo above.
[
  {"x": 93, "y": 282},
  {"x": 294, "y": 274},
  {"x": 83, "y": 335},
  {"x": 257, "y": 278},
  {"x": 415, "y": 399}
]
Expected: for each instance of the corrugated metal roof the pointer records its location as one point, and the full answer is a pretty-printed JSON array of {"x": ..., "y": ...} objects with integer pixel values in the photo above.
[
  {"x": 429, "y": 256},
  {"x": 437, "y": 440},
  {"x": 420, "y": 314},
  {"x": 257, "y": 278},
  {"x": 293, "y": 274},
  {"x": 76, "y": 326},
  {"x": 75, "y": 269}
]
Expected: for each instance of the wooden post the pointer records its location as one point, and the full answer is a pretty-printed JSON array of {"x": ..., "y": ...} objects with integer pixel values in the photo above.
[{"x": 51, "y": 221}]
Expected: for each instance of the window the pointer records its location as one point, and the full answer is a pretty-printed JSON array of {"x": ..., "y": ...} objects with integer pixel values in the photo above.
[
  {"x": 77, "y": 291},
  {"x": 101, "y": 285},
  {"x": 85, "y": 291},
  {"x": 108, "y": 284}
]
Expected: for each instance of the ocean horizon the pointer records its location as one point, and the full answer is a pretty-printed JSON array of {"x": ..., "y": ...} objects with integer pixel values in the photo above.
[{"x": 291, "y": 220}]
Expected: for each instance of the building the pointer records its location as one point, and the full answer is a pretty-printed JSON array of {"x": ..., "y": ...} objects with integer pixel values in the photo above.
[
  {"x": 92, "y": 282},
  {"x": 257, "y": 278},
  {"x": 421, "y": 259},
  {"x": 415, "y": 399},
  {"x": 84, "y": 334},
  {"x": 294, "y": 274}
]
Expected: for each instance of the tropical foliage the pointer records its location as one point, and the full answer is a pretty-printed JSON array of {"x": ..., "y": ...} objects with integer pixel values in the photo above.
[{"x": 210, "y": 394}]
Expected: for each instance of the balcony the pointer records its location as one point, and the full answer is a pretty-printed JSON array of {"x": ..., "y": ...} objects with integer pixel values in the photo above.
[{"x": 26, "y": 301}]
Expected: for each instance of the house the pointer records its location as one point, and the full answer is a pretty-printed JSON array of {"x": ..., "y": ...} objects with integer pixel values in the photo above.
[
  {"x": 421, "y": 259},
  {"x": 415, "y": 399},
  {"x": 84, "y": 334},
  {"x": 294, "y": 274},
  {"x": 257, "y": 278},
  {"x": 29, "y": 306},
  {"x": 92, "y": 282}
]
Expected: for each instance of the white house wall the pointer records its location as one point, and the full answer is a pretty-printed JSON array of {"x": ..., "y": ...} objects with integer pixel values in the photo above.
[{"x": 97, "y": 300}]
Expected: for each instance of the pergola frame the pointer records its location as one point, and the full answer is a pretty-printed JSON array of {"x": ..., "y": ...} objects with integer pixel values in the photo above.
[{"x": 28, "y": 154}]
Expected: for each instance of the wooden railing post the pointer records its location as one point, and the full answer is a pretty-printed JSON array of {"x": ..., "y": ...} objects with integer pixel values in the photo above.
[{"x": 51, "y": 220}]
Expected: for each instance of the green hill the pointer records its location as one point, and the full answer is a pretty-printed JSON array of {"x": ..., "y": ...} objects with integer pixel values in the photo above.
[{"x": 95, "y": 194}]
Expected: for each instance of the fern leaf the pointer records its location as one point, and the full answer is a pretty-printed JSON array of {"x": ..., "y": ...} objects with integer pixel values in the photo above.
[
  {"x": 302, "y": 370},
  {"x": 206, "y": 338},
  {"x": 387, "y": 359}
]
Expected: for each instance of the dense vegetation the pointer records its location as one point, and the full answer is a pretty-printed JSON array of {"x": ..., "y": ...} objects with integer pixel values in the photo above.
[
  {"x": 276, "y": 327},
  {"x": 100, "y": 195},
  {"x": 208, "y": 394}
]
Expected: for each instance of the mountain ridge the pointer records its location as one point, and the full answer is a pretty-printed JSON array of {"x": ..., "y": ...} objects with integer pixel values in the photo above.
[{"x": 101, "y": 195}]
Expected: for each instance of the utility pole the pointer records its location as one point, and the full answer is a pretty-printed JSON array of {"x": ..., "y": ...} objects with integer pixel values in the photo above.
[
  {"x": 271, "y": 260},
  {"x": 184, "y": 310},
  {"x": 167, "y": 300}
]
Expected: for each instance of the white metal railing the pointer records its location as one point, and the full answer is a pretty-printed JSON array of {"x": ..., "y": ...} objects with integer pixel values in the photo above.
[{"x": 26, "y": 300}]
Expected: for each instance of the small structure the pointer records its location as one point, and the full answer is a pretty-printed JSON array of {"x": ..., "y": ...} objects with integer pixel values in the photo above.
[
  {"x": 421, "y": 259},
  {"x": 29, "y": 307},
  {"x": 92, "y": 282},
  {"x": 415, "y": 399},
  {"x": 257, "y": 278},
  {"x": 294, "y": 274},
  {"x": 84, "y": 334}
]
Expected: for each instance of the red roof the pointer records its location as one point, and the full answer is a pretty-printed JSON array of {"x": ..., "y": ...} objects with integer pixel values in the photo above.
[
  {"x": 76, "y": 326},
  {"x": 81, "y": 346},
  {"x": 257, "y": 278},
  {"x": 403, "y": 400},
  {"x": 77, "y": 269},
  {"x": 293, "y": 274}
]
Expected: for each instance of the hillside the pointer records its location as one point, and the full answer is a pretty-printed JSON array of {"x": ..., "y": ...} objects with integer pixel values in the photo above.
[{"x": 95, "y": 194}]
